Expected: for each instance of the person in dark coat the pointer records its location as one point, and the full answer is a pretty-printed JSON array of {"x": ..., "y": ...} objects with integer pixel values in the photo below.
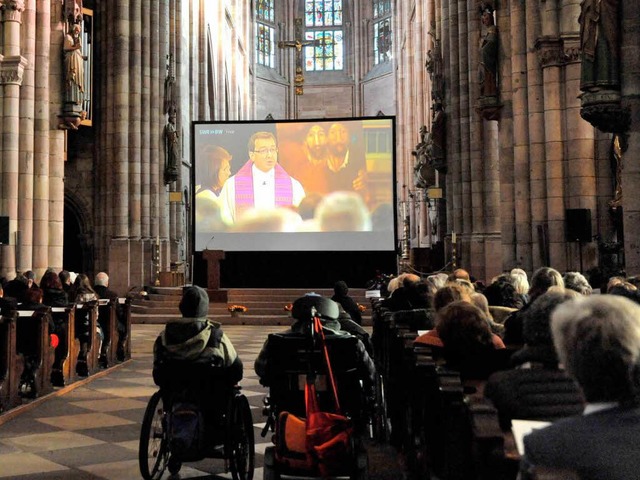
[
  {"x": 53, "y": 294},
  {"x": 341, "y": 296},
  {"x": 196, "y": 339},
  {"x": 597, "y": 339},
  {"x": 535, "y": 388}
]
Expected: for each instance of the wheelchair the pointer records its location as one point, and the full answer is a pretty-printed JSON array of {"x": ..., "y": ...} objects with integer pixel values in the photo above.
[
  {"x": 193, "y": 402},
  {"x": 294, "y": 358}
]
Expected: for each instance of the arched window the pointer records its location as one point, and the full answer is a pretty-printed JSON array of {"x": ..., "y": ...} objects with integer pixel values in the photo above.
[
  {"x": 381, "y": 31},
  {"x": 323, "y": 24},
  {"x": 265, "y": 33}
]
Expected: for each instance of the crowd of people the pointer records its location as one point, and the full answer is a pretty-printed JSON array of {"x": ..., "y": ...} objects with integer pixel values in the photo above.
[
  {"x": 55, "y": 289},
  {"x": 571, "y": 357}
]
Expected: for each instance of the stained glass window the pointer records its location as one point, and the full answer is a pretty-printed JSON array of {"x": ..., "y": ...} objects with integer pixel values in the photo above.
[
  {"x": 381, "y": 8},
  {"x": 323, "y": 22},
  {"x": 265, "y": 11},
  {"x": 265, "y": 33},
  {"x": 381, "y": 31}
]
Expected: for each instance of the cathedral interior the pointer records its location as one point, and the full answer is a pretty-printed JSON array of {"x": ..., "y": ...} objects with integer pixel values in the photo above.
[{"x": 515, "y": 127}]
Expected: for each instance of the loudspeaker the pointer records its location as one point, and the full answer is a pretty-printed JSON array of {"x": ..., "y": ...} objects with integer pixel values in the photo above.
[
  {"x": 578, "y": 225},
  {"x": 4, "y": 230}
]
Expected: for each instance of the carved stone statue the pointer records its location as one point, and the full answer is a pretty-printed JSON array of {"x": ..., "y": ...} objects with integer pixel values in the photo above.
[
  {"x": 74, "y": 66},
  {"x": 422, "y": 160},
  {"x": 600, "y": 45},
  {"x": 171, "y": 148},
  {"x": 488, "y": 71}
]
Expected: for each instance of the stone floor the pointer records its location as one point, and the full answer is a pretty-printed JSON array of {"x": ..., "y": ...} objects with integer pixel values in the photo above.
[{"x": 92, "y": 432}]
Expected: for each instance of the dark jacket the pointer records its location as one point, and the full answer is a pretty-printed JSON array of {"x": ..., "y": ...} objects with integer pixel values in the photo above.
[
  {"x": 601, "y": 445},
  {"x": 54, "y": 297},
  {"x": 350, "y": 306}
]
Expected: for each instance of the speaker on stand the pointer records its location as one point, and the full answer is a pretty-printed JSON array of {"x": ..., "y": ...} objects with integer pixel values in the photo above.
[{"x": 578, "y": 227}]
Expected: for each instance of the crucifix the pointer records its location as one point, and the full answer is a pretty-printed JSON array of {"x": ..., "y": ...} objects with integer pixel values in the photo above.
[{"x": 298, "y": 43}]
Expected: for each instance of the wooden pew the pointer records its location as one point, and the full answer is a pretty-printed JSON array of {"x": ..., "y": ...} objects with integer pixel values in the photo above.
[
  {"x": 11, "y": 364},
  {"x": 108, "y": 322},
  {"x": 86, "y": 321},
  {"x": 66, "y": 355},
  {"x": 32, "y": 339},
  {"x": 123, "y": 350}
]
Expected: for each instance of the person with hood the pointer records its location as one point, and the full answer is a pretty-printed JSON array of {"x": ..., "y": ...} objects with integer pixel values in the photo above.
[
  {"x": 341, "y": 296},
  {"x": 196, "y": 339}
]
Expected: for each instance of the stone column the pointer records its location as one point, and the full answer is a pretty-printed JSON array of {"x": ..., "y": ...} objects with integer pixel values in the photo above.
[
  {"x": 630, "y": 59},
  {"x": 535, "y": 127},
  {"x": 521, "y": 226},
  {"x": 52, "y": 104},
  {"x": 26, "y": 138},
  {"x": 11, "y": 73},
  {"x": 41, "y": 156},
  {"x": 466, "y": 156}
]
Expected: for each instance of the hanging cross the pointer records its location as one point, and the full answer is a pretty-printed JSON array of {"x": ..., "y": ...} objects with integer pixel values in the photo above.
[{"x": 298, "y": 43}]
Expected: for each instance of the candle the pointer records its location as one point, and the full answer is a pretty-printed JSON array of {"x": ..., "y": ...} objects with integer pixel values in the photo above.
[{"x": 453, "y": 237}]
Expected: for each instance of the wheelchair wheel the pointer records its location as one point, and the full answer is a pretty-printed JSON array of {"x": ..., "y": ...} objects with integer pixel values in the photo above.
[
  {"x": 240, "y": 446},
  {"x": 153, "y": 450},
  {"x": 269, "y": 471}
]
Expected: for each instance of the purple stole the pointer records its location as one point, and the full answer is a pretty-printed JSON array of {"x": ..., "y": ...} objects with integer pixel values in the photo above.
[{"x": 244, "y": 187}]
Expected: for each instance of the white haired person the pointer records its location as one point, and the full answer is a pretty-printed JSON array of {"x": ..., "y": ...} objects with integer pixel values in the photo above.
[{"x": 597, "y": 339}]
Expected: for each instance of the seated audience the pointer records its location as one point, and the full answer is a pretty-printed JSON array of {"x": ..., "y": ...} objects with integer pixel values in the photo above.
[
  {"x": 503, "y": 293},
  {"x": 53, "y": 294},
  {"x": 405, "y": 294},
  {"x": 449, "y": 294},
  {"x": 521, "y": 283},
  {"x": 536, "y": 388},
  {"x": 542, "y": 279},
  {"x": 349, "y": 326},
  {"x": 578, "y": 282},
  {"x": 459, "y": 274},
  {"x": 468, "y": 344},
  {"x": 597, "y": 339},
  {"x": 17, "y": 288},
  {"x": 625, "y": 289},
  {"x": 480, "y": 301},
  {"x": 65, "y": 279},
  {"x": 341, "y": 296},
  {"x": 82, "y": 291},
  {"x": 6, "y": 304}
]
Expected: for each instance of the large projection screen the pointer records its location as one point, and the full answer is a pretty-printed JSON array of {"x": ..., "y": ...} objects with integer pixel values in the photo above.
[{"x": 307, "y": 185}]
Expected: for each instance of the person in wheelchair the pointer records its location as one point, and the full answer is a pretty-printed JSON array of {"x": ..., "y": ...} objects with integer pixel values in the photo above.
[
  {"x": 196, "y": 340},
  {"x": 331, "y": 326}
]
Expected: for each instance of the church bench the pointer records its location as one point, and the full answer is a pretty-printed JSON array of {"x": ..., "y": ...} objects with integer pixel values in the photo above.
[
  {"x": 66, "y": 355},
  {"x": 86, "y": 324},
  {"x": 32, "y": 340},
  {"x": 11, "y": 363},
  {"x": 123, "y": 349},
  {"x": 107, "y": 320}
]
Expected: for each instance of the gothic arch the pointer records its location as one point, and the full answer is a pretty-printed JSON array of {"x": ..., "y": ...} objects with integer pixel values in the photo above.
[{"x": 77, "y": 255}]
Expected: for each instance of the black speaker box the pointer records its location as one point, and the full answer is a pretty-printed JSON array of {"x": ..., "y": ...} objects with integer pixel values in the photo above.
[
  {"x": 578, "y": 223},
  {"x": 4, "y": 230}
]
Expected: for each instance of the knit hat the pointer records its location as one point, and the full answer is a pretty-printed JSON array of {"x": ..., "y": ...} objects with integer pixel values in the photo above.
[
  {"x": 195, "y": 302},
  {"x": 340, "y": 288}
]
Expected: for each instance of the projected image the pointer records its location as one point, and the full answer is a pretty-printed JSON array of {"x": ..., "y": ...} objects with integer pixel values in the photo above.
[{"x": 307, "y": 185}]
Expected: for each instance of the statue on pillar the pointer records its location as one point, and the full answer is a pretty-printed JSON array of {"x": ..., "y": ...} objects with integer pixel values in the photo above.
[
  {"x": 74, "y": 72},
  {"x": 171, "y": 148},
  {"x": 172, "y": 154},
  {"x": 420, "y": 170},
  {"x": 488, "y": 71},
  {"x": 600, "y": 66}
]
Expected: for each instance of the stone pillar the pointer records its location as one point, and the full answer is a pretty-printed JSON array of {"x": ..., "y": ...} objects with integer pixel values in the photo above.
[
  {"x": 521, "y": 221},
  {"x": 630, "y": 59},
  {"x": 11, "y": 73},
  {"x": 26, "y": 138},
  {"x": 41, "y": 156},
  {"x": 550, "y": 52},
  {"x": 468, "y": 186},
  {"x": 537, "y": 176},
  {"x": 57, "y": 138},
  {"x": 454, "y": 178}
]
